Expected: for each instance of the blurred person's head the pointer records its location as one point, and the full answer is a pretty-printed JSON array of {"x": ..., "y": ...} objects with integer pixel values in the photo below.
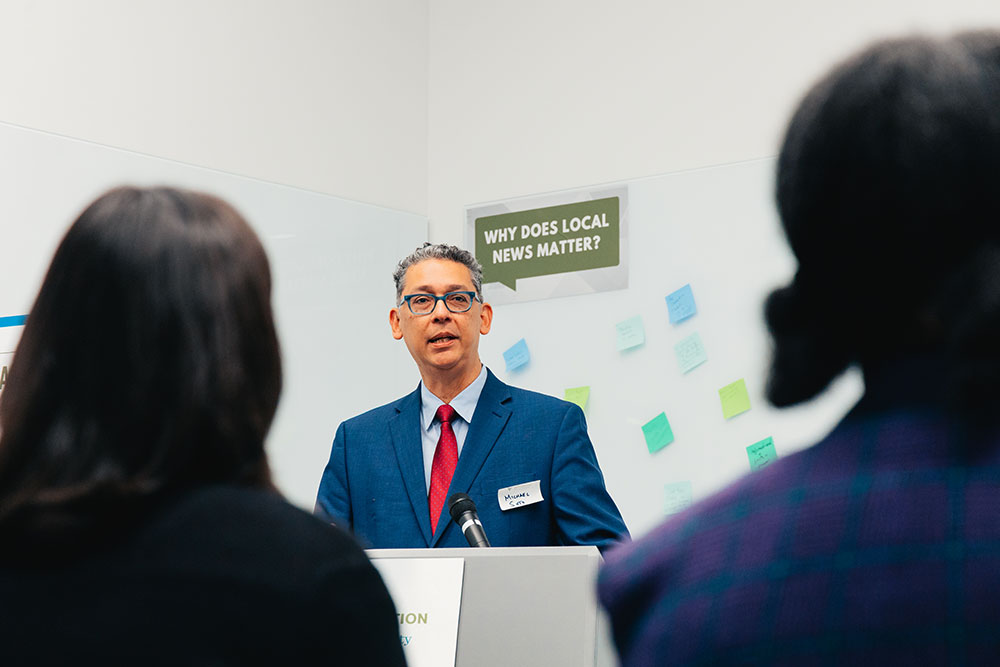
[
  {"x": 149, "y": 363},
  {"x": 888, "y": 187}
]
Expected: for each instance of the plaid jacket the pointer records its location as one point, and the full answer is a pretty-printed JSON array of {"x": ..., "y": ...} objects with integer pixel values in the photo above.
[{"x": 878, "y": 545}]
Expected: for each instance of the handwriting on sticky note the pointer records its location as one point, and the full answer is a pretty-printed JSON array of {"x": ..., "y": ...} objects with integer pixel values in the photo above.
[
  {"x": 578, "y": 395},
  {"x": 630, "y": 333},
  {"x": 658, "y": 433},
  {"x": 676, "y": 497},
  {"x": 517, "y": 355},
  {"x": 735, "y": 399},
  {"x": 690, "y": 353},
  {"x": 680, "y": 304},
  {"x": 762, "y": 453}
]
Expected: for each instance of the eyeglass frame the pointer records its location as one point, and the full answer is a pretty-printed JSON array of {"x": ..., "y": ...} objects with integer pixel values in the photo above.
[{"x": 444, "y": 297}]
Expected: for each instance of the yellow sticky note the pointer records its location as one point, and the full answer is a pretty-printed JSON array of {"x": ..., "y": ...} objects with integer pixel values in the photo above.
[
  {"x": 578, "y": 395},
  {"x": 735, "y": 399}
]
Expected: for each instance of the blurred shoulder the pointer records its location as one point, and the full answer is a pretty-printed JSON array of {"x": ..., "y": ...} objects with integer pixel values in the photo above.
[
  {"x": 252, "y": 529},
  {"x": 671, "y": 556}
]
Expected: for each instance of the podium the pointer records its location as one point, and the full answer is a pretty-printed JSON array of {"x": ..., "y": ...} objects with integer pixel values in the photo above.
[{"x": 525, "y": 606}]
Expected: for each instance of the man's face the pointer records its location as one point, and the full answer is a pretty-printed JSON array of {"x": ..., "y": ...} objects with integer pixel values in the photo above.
[{"x": 441, "y": 340}]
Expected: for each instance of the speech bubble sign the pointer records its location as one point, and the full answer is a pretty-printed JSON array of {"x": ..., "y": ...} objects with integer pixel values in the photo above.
[{"x": 554, "y": 239}]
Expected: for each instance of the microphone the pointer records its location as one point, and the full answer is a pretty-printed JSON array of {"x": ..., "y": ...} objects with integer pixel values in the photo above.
[{"x": 463, "y": 512}]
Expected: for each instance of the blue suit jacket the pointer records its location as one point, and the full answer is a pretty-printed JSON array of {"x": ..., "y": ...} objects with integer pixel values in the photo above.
[{"x": 374, "y": 483}]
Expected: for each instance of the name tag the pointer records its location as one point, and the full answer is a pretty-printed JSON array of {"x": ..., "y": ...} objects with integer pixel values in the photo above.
[{"x": 520, "y": 495}]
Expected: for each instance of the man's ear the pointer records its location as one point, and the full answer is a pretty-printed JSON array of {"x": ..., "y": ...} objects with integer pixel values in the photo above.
[
  {"x": 485, "y": 318},
  {"x": 397, "y": 331}
]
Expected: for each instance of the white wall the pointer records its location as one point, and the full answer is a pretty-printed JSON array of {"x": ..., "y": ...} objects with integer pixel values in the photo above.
[
  {"x": 429, "y": 105},
  {"x": 321, "y": 94},
  {"x": 528, "y": 96}
]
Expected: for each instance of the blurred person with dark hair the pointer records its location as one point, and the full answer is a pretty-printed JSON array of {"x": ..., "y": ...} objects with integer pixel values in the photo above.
[
  {"x": 138, "y": 522},
  {"x": 879, "y": 543}
]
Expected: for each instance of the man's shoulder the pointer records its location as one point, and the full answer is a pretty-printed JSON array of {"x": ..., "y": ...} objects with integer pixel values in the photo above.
[
  {"x": 534, "y": 399},
  {"x": 382, "y": 412}
]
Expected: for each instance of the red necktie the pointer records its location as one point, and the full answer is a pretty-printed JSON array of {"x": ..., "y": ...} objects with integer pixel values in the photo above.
[{"x": 443, "y": 466}]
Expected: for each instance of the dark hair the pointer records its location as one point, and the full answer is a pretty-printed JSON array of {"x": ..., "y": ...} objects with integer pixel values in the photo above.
[
  {"x": 887, "y": 190},
  {"x": 148, "y": 364},
  {"x": 439, "y": 251}
]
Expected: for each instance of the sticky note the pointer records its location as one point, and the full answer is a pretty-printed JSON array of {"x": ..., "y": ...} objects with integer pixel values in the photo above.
[
  {"x": 761, "y": 453},
  {"x": 676, "y": 497},
  {"x": 735, "y": 399},
  {"x": 690, "y": 353},
  {"x": 517, "y": 355},
  {"x": 630, "y": 333},
  {"x": 657, "y": 433},
  {"x": 680, "y": 304},
  {"x": 578, "y": 395}
]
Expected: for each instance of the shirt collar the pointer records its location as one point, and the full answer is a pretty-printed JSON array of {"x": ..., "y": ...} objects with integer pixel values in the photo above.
[{"x": 464, "y": 404}]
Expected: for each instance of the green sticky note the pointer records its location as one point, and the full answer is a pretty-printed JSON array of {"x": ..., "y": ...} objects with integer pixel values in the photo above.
[
  {"x": 690, "y": 353},
  {"x": 761, "y": 453},
  {"x": 657, "y": 433},
  {"x": 676, "y": 497},
  {"x": 735, "y": 399},
  {"x": 630, "y": 333},
  {"x": 578, "y": 395}
]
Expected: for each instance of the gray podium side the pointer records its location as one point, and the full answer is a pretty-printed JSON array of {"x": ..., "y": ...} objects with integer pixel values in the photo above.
[{"x": 526, "y": 606}]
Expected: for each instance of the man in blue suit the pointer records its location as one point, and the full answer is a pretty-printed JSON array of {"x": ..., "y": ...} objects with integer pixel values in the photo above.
[{"x": 523, "y": 457}]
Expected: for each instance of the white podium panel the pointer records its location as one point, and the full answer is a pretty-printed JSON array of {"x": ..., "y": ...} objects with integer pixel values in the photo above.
[
  {"x": 428, "y": 597},
  {"x": 525, "y": 606}
]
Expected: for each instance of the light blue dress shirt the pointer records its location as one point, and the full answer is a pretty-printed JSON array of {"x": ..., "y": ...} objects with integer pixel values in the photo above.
[{"x": 430, "y": 428}]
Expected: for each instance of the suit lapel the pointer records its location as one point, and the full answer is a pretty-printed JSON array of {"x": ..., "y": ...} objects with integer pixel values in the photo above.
[
  {"x": 405, "y": 430},
  {"x": 488, "y": 422}
]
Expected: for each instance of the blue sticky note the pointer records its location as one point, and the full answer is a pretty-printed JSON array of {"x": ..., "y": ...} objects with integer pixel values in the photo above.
[
  {"x": 762, "y": 453},
  {"x": 690, "y": 353},
  {"x": 681, "y": 305},
  {"x": 630, "y": 333},
  {"x": 517, "y": 355},
  {"x": 676, "y": 497}
]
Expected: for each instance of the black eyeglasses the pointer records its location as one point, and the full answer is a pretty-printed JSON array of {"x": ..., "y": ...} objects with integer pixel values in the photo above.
[{"x": 455, "y": 302}]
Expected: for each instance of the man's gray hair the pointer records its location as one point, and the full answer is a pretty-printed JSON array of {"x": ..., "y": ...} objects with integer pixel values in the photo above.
[{"x": 439, "y": 251}]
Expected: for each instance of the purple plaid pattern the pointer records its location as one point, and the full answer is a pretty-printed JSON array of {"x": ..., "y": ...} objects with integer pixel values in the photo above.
[{"x": 880, "y": 544}]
